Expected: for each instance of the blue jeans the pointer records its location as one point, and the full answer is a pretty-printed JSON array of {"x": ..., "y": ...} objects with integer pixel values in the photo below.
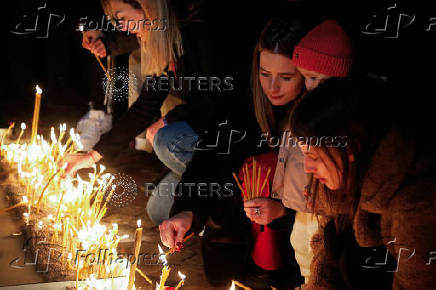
[{"x": 173, "y": 145}]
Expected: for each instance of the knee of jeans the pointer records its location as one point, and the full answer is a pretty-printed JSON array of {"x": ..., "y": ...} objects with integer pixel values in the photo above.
[
  {"x": 161, "y": 141},
  {"x": 155, "y": 212}
]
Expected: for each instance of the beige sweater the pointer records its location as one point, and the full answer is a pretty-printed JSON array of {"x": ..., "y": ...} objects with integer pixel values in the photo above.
[{"x": 288, "y": 185}]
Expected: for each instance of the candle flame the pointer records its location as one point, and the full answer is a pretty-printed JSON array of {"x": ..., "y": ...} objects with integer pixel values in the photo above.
[
  {"x": 233, "y": 286},
  {"x": 162, "y": 256},
  {"x": 182, "y": 276},
  {"x": 38, "y": 90},
  {"x": 138, "y": 223},
  {"x": 23, "y": 126}
]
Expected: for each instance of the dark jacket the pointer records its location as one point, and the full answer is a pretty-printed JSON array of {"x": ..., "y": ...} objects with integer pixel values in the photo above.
[{"x": 397, "y": 209}]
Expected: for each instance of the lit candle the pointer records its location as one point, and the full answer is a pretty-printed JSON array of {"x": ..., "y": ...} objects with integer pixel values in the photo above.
[
  {"x": 183, "y": 277},
  {"x": 239, "y": 284},
  {"x": 165, "y": 270},
  {"x": 36, "y": 113},
  {"x": 23, "y": 127},
  {"x": 233, "y": 286},
  {"x": 138, "y": 238}
]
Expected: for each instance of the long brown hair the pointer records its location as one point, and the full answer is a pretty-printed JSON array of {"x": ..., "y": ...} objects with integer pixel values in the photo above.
[
  {"x": 345, "y": 109},
  {"x": 279, "y": 36}
]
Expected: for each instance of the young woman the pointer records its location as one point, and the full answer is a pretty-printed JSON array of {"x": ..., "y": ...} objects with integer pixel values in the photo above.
[
  {"x": 276, "y": 85},
  {"x": 175, "y": 46},
  {"x": 374, "y": 181},
  {"x": 323, "y": 53}
]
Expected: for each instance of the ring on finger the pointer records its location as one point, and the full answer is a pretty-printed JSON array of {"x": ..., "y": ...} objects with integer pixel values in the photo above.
[{"x": 257, "y": 211}]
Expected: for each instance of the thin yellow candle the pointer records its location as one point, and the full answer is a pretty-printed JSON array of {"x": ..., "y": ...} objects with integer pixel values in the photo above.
[
  {"x": 138, "y": 238},
  {"x": 23, "y": 127},
  {"x": 253, "y": 180},
  {"x": 233, "y": 286},
  {"x": 165, "y": 270},
  {"x": 36, "y": 113},
  {"x": 266, "y": 179},
  {"x": 258, "y": 194},
  {"x": 247, "y": 181},
  {"x": 144, "y": 276},
  {"x": 182, "y": 282},
  {"x": 239, "y": 284}
]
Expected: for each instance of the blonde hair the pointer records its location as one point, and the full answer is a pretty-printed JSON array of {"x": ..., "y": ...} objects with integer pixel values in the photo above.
[{"x": 161, "y": 46}]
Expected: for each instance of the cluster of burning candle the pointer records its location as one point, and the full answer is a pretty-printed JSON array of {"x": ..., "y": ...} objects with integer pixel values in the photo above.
[{"x": 70, "y": 210}]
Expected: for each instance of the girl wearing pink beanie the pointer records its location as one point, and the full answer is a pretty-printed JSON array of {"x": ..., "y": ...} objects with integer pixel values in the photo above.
[{"x": 323, "y": 53}]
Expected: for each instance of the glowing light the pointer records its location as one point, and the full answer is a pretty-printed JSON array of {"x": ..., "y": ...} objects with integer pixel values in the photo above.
[
  {"x": 233, "y": 286},
  {"x": 182, "y": 276}
]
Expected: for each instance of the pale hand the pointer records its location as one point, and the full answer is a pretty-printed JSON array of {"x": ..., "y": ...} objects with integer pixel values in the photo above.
[
  {"x": 92, "y": 42},
  {"x": 173, "y": 230},
  {"x": 269, "y": 210},
  {"x": 76, "y": 162},
  {"x": 152, "y": 130}
]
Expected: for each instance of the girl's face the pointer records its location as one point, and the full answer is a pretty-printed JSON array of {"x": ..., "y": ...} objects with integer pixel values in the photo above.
[
  {"x": 323, "y": 168},
  {"x": 280, "y": 80},
  {"x": 129, "y": 18},
  {"x": 312, "y": 79}
]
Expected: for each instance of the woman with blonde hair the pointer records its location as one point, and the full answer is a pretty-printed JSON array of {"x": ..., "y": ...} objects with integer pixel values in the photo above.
[{"x": 176, "y": 57}]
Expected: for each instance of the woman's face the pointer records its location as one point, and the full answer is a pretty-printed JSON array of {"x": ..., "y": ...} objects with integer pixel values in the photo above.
[
  {"x": 312, "y": 79},
  {"x": 280, "y": 80},
  {"x": 323, "y": 168},
  {"x": 129, "y": 18}
]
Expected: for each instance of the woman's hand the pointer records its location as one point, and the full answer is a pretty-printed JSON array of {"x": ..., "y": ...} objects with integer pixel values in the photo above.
[
  {"x": 152, "y": 130},
  {"x": 264, "y": 210},
  {"x": 78, "y": 161},
  {"x": 92, "y": 42},
  {"x": 173, "y": 230}
]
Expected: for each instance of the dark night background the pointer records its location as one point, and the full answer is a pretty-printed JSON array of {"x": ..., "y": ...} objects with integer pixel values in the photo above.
[{"x": 71, "y": 77}]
